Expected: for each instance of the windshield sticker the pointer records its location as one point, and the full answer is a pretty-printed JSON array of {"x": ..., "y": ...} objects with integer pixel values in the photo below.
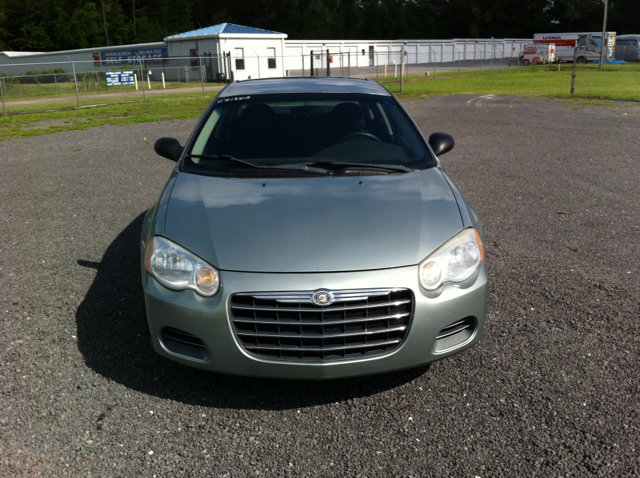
[{"x": 233, "y": 98}]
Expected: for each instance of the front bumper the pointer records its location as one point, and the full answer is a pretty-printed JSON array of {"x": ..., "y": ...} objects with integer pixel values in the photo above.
[{"x": 208, "y": 320}]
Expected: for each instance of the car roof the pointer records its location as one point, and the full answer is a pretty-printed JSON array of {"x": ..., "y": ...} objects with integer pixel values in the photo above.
[{"x": 304, "y": 85}]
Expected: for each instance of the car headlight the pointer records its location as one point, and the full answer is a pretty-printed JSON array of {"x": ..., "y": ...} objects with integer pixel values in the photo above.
[
  {"x": 455, "y": 261},
  {"x": 178, "y": 269}
]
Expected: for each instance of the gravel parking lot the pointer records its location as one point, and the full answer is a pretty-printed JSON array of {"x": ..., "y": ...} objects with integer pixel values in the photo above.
[{"x": 551, "y": 390}]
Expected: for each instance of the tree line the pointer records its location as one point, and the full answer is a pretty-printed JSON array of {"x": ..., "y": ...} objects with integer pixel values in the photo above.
[{"x": 52, "y": 25}]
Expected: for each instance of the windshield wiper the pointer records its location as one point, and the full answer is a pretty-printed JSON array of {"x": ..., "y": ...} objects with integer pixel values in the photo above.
[
  {"x": 287, "y": 167},
  {"x": 332, "y": 164}
]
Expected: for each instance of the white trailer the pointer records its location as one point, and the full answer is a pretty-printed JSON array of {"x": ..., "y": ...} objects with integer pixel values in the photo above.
[
  {"x": 538, "y": 53},
  {"x": 587, "y": 45}
]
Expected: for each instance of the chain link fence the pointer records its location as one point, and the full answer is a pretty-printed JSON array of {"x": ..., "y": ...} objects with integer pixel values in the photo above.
[
  {"x": 27, "y": 87},
  {"x": 615, "y": 78},
  {"x": 33, "y": 87}
]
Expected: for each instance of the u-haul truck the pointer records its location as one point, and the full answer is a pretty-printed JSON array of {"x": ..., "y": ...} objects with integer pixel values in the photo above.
[
  {"x": 535, "y": 53},
  {"x": 588, "y": 45}
]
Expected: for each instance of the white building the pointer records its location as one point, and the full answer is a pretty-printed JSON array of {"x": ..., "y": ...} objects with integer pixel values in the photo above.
[
  {"x": 217, "y": 52},
  {"x": 232, "y": 51},
  {"x": 367, "y": 53},
  {"x": 228, "y": 51}
]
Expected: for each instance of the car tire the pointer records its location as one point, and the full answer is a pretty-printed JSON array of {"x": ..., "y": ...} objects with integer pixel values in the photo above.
[
  {"x": 526, "y": 62},
  {"x": 581, "y": 60}
]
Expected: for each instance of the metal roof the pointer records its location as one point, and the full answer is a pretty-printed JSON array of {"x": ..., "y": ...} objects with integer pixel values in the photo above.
[
  {"x": 221, "y": 29},
  {"x": 19, "y": 54},
  {"x": 304, "y": 85}
]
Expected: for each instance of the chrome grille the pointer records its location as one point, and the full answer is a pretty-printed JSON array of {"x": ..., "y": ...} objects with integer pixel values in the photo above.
[{"x": 289, "y": 326}]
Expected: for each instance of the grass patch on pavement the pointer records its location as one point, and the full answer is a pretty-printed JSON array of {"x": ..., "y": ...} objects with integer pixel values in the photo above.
[{"x": 157, "y": 109}]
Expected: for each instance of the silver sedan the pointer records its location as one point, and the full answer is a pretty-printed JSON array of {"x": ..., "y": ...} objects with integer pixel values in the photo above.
[{"x": 308, "y": 231}]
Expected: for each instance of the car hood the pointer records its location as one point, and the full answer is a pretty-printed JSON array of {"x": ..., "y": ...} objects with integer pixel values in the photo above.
[{"x": 312, "y": 224}]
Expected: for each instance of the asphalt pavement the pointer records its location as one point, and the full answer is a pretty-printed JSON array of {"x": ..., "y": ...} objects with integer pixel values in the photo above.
[{"x": 551, "y": 390}]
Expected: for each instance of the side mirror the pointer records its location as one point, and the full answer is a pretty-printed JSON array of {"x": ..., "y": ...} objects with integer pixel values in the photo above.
[
  {"x": 168, "y": 148},
  {"x": 441, "y": 143}
]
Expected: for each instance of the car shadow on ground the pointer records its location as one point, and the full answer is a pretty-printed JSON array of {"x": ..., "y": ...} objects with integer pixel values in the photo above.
[{"x": 113, "y": 338}]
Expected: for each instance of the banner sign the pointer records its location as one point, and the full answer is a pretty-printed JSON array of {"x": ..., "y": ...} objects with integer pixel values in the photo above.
[
  {"x": 119, "y": 78},
  {"x": 133, "y": 56}
]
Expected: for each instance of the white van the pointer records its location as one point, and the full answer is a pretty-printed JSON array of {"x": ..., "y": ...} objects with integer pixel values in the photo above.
[
  {"x": 585, "y": 45},
  {"x": 628, "y": 47}
]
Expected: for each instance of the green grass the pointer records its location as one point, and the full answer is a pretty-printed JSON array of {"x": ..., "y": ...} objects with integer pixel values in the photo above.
[
  {"x": 156, "y": 109},
  {"x": 593, "y": 87},
  {"x": 544, "y": 81},
  {"x": 17, "y": 91},
  {"x": 108, "y": 101}
]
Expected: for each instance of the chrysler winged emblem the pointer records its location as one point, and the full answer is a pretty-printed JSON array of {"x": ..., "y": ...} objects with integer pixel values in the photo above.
[{"x": 322, "y": 297}]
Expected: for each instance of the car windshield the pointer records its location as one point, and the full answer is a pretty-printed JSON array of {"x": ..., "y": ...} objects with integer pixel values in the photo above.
[{"x": 323, "y": 129}]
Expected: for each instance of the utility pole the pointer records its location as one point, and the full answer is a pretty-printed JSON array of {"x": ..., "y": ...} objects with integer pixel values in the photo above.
[
  {"x": 104, "y": 24},
  {"x": 573, "y": 72},
  {"x": 604, "y": 32},
  {"x": 75, "y": 79}
]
